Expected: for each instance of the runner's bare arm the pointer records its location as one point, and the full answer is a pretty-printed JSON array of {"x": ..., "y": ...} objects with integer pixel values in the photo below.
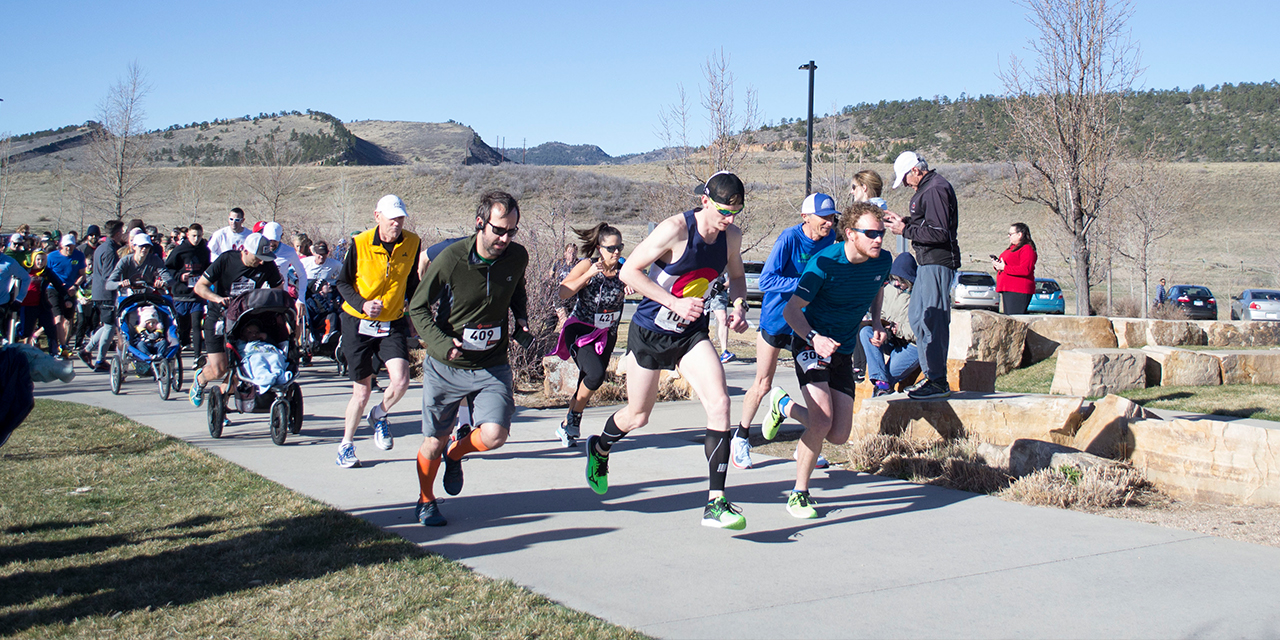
[
  {"x": 794, "y": 315},
  {"x": 659, "y": 245},
  {"x": 577, "y": 278},
  {"x": 202, "y": 289},
  {"x": 879, "y": 335}
]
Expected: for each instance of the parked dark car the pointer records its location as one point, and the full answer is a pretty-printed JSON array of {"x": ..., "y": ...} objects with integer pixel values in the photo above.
[
  {"x": 1197, "y": 301},
  {"x": 1256, "y": 304},
  {"x": 753, "y": 270}
]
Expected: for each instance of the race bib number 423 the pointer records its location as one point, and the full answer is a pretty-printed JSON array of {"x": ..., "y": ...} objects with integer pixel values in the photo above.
[
  {"x": 374, "y": 328},
  {"x": 481, "y": 338}
]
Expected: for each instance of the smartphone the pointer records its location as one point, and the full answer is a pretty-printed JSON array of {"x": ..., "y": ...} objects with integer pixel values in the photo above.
[
  {"x": 994, "y": 256},
  {"x": 523, "y": 337}
]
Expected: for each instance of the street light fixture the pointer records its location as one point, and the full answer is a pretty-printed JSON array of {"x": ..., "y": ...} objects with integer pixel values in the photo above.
[{"x": 808, "y": 149}]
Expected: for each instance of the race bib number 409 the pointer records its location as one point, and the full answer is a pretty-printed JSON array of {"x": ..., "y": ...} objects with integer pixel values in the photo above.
[
  {"x": 809, "y": 361},
  {"x": 481, "y": 338}
]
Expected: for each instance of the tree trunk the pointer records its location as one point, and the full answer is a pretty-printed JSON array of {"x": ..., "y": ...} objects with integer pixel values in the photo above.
[{"x": 1080, "y": 272}]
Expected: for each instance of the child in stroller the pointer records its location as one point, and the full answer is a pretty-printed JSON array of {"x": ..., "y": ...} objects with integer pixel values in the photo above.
[
  {"x": 148, "y": 343},
  {"x": 323, "y": 334}
]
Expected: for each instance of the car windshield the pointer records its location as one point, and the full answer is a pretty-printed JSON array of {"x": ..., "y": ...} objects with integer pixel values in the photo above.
[
  {"x": 1196, "y": 292},
  {"x": 753, "y": 267},
  {"x": 977, "y": 280},
  {"x": 1043, "y": 286}
]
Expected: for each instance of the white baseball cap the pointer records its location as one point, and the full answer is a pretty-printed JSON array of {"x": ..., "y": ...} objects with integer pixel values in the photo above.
[
  {"x": 140, "y": 239},
  {"x": 273, "y": 231},
  {"x": 68, "y": 240},
  {"x": 907, "y": 160},
  {"x": 258, "y": 245},
  {"x": 391, "y": 206}
]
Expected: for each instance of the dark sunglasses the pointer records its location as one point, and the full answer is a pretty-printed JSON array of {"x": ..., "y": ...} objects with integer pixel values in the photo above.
[
  {"x": 617, "y": 248},
  {"x": 871, "y": 233},
  {"x": 500, "y": 231}
]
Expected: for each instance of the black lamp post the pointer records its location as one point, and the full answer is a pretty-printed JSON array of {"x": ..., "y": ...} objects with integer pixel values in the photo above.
[{"x": 808, "y": 149}]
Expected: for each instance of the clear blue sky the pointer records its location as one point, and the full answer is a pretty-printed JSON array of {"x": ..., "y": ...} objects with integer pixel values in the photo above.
[{"x": 576, "y": 72}]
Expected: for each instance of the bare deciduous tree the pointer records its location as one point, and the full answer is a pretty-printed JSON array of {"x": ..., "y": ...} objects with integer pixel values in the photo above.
[
  {"x": 729, "y": 135},
  {"x": 1151, "y": 209},
  {"x": 6, "y": 172},
  {"x": 192, "y": 190},
  {"x": 117, "y": 149},
  {"x": 1066, "y": 113},
  {"x": 343, "y": 202},
  {"x": 273, "y": 173}
]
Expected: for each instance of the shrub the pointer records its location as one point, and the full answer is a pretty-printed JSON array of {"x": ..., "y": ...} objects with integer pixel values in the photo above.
[{"x": 1093, "y": 488}]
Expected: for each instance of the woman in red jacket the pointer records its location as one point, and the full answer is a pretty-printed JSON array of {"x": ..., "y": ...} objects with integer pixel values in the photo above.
[{"x": 1016, "y": 270}]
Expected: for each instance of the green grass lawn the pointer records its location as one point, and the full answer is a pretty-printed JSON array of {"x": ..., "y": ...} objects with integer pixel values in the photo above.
[
  {"x": 111, "y": 529},
  {"x": 1242, "y": 400}
]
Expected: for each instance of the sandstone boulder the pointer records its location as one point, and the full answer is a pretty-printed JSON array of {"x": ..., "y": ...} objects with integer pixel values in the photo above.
[
  {"x": 1209, "y": 460},
  {"x": 1225, "y": 334},
  {"x": 1261, "y": 334},
  {"x": 1106, "y": 431},
  {"x": 559, "y": 377},
  {"x": 1028, "y": 456},
  {"x": 998, "y": 419},
  {"x": 987, "y": 337},
  {"x": 1174, "y": 333},
  {"x": 1249, "y": 367},
  {"x": 1184, "y": 368},
  {"x": 1131, "y": 333},
  {"x": 1098, "y": 372},
  {"x": 1047, "y": 334}
]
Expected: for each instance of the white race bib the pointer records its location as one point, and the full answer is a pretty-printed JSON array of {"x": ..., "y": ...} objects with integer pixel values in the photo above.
[
  {"x": 810, "y": 362},
  {"x": 374, "y": 328},
  {"x": 481, "y": 339},
  {"x": 607, "y": 320},
  {"x": 242, "y": 285},
  {"x": 669, "y": 320}
]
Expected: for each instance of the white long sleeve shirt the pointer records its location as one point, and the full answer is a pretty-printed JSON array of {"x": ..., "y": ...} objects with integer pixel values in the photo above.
[
  {"x": 287, "y": 257},
  {"x": 224, "y": 240}
]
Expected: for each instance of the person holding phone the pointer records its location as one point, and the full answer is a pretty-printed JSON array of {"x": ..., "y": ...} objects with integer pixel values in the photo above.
[
  {"x": 476, "y": 282},
  {"x": 1016, "y": 270},
  {"x": 591, "y": 330}
]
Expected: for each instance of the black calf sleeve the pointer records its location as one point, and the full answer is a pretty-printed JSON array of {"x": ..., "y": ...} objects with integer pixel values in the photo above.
[
  {"x": 611, "y": 435},
  {"x": 717, "y": 449}
]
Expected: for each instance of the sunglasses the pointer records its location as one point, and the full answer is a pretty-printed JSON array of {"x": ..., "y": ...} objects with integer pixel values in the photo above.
[
  {"x": 725, "y": 212},
  {"x": 871, "y": 233},
  {"x": 617, "y": 248},
  {"x": 500, "y": 231},
  {"x": 236, "y": 219}
]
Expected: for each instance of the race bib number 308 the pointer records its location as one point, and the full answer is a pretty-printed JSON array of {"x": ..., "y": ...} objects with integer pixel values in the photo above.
[
  {"x": 809, "y": 361},
  {"x": 481, "y": 338}
]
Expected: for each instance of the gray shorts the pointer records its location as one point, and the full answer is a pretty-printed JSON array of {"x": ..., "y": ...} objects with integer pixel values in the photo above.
[
  {"x": 443, "y": 388},
  {"x": 718, "y": 302}
]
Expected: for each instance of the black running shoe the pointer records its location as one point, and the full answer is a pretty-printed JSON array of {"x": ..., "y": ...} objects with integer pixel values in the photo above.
[
  {"x": 428, "y": 514},
  {"x": 452, "y": 476},
  {"x": 86, "y": 358},
  {"x": 931, "y": 390}
]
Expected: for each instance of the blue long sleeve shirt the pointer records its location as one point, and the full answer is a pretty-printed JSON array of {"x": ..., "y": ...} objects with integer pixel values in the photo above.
[
  {"x": 11, "y": 270},
  {"x": 781, "y": 273}
]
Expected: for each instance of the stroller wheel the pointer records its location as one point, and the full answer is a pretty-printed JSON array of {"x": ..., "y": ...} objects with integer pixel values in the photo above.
[
  {"x": 164, "y": 378},
  {"x": 177, "y": 372},
  {"x": 279, "y": 421},
  {"x": 295, "y": 409},
  {"x": 117, "y": 374},
  {"x": 217, "y": 411}
]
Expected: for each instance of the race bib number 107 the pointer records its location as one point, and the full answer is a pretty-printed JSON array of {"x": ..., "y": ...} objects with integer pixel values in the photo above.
[{"x": 669, "y": 320}]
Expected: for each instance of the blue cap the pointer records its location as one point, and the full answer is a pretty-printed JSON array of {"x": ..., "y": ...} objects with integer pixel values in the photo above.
[
  {"x": 820, "y": 204},
  {"x": 904, "y": 266}
]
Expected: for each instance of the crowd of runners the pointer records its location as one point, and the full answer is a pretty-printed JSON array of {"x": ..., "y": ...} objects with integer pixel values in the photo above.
[{"x": 832, "y": 296}]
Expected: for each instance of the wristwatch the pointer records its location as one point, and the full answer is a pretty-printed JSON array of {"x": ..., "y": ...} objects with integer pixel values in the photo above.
[{"x": 810, "y": 336}]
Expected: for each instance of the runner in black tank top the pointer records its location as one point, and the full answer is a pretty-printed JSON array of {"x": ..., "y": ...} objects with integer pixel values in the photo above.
[{"x": 684, "y": 255}]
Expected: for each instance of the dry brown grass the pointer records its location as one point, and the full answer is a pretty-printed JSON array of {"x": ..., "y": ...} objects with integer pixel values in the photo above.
[{"x": 1093, "y": 488}]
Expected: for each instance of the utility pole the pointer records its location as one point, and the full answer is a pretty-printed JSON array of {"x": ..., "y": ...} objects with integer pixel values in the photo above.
[{"x": 808, "y": 149}]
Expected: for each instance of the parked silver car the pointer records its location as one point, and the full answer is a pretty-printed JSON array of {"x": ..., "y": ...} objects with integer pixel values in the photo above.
[
  {"x": 974, "y": 289},
  {"x": 753, "y": 270},
  {"x": 1256, "y": 304}
]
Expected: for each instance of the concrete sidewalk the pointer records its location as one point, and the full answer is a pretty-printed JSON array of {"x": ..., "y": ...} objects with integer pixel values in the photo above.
[{"x": 887, "y": 559}]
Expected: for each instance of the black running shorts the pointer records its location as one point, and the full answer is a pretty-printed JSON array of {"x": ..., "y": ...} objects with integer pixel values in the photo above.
[
  {"x": 836, "y": 372},
  {"x": 782, "y": 341},
  {"x": 359, "y": 348},
  {"x": 654, "y": 351}
]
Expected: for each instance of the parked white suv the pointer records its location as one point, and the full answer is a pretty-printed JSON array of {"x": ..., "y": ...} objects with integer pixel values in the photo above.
[{"x": 974, "y": 290}]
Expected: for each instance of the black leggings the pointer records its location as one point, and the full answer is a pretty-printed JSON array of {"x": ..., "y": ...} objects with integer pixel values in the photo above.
[
  {"x": 1015, "y": 303},
  {"x": 86, "y": 323},
  {"x": 592, "y": 366}
]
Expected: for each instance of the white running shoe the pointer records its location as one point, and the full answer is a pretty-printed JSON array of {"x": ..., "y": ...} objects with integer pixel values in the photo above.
[{"x": 741, "y": 448}]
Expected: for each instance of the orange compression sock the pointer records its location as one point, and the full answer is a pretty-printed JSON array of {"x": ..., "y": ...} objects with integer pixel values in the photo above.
[
  {"x": 427, "y": 476},
  {"x": 470, "y": 444}
]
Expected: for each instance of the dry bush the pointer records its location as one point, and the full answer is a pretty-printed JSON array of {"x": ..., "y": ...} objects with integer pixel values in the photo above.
[
  {"x": 1168, "y": 311},
  {"x": 1093, "y": 488},
  {"x": 1126, "y": 307},
  {"x": 954, "y": 464},
  {"x": 869, "y": 452}
]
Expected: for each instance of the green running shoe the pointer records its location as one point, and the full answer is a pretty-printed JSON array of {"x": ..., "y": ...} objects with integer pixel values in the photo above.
[
  {"x": 771, "y": 424},
  {"x": 722, "y": 514},
  {"x": 800, "y": 505},
  {"x": 597, "y": 467}
]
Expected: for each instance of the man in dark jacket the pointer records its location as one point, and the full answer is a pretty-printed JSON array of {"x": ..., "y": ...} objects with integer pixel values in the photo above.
[
  {"x": 931, "y": 226},
  {"x": 104, "y": 262},
  {"x": 185, "y": 263}
]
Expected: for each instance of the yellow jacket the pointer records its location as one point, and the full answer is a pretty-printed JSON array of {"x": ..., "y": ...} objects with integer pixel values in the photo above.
[{"x": 380, "y": 275}]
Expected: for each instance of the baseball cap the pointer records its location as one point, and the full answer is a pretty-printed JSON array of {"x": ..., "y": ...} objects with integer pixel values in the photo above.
[
  {"x": 391, "y": 206},
  {"x": 321, "y": 247},
  {"x": 907, "y": 160},
  {"x": 68, "y": 241},
  {"x": 257, "y": 226},
  {"x": 722, "y": 187},
  {"x": 140, "y": 239},
  {"x": 17, "y": 237},
  {"x": 258, "y": 245},
  {"x": 93, "y": 230},
  {"x": 273, "y": 231},
  {"x": 819, "y": 204}
]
